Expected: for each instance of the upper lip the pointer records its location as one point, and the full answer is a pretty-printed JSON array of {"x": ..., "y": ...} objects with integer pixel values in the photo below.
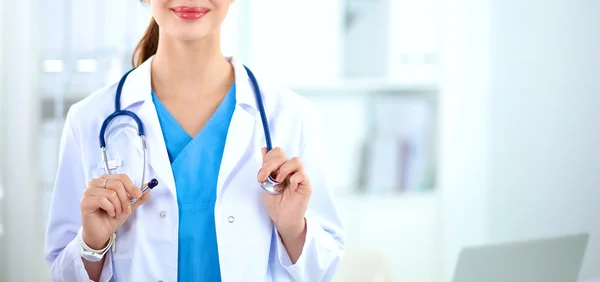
[{"x": 188, "y": 9}]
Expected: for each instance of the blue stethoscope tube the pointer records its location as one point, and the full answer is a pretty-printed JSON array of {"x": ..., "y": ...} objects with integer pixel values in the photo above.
[{"x": 270, "y": 185}]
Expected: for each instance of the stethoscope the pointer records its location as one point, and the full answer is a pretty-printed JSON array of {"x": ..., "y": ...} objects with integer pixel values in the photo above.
[{"x": 270, "y": 185}]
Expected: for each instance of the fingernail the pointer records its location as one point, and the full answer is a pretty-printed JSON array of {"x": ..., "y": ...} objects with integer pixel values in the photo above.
[
  {"x": 153, "y": 183},
  {"x": 128, "y": 209}
]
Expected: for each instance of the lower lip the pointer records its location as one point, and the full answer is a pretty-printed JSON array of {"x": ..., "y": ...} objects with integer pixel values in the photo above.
[{"x": 190, "y": 15}]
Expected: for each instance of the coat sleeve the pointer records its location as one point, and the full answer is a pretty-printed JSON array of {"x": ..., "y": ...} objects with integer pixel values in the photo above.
[
  {"x": 324, "y": 243},
  {"x": 64, "y": 220}
]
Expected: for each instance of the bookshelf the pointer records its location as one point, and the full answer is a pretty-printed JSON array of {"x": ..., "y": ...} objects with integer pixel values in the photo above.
[{"x": 367, "y": 120}]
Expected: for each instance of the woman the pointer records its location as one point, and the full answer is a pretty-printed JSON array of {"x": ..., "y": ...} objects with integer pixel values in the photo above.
[{"x": 208, "y": 219}]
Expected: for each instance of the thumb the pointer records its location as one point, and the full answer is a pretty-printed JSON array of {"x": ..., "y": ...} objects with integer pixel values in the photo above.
[{"x": 144, "y": 198}]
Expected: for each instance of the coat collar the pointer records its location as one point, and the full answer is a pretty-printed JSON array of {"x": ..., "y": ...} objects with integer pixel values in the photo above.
[{"x": 137, "y": 88}]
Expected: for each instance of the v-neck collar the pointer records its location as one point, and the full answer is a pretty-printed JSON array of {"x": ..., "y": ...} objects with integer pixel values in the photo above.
[{"x": 176, "y": 134}]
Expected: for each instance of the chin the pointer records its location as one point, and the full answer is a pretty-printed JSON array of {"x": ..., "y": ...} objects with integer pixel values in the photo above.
[
  {"x": 189, "y": 38},
  {"x": 189, "y": 34}
]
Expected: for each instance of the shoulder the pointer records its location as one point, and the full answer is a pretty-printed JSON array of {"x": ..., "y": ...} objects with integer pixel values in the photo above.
[
  {"x": 292, "y": 117},
  {"x": 97, "y": 105},
  {"x": 290, "y": 103},
  {"x": 282, "y": 98}
]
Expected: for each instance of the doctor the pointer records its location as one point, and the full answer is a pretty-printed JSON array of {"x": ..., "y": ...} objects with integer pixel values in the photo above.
[{"x": 208, "y": 218}]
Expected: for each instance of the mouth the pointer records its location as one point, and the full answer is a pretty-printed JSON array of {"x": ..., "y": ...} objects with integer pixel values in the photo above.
[{"x": 190, "y": 13}]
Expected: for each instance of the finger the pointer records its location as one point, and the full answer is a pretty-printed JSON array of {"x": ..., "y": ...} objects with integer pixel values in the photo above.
[
  {"x": 263, "y": 150},
  {"x": 296, "y": 180},
  {"x": 291, "y": 166},
  {"x": 90, "y": 204},
  {"x": 274, "y": 153},
  {"x": 118, "y": 187},
  {"x": 109, "y": 194},
  {"x": 131, "y": 189},
  {"x": 270, "y": 167},
  {"x": 144, "y": 198},
  {"x": 270, "y": 156}
]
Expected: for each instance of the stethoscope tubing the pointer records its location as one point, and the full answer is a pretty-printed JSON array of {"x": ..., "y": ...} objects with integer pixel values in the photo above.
[{"x": 271, "y": 186}]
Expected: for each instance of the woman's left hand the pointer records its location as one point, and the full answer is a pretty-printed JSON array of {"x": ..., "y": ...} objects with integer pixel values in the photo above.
[{"x": 287, "y": 209}]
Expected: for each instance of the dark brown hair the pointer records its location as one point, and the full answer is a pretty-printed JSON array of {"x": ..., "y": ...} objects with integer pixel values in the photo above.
[{"x": 147, "y": 45}]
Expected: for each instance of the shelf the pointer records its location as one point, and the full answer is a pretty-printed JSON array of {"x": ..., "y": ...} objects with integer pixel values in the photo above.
[
  {"x": 365, "y": 87},
  {"x": 358, "y": 196},
  {"x": 59, "y": 54}
]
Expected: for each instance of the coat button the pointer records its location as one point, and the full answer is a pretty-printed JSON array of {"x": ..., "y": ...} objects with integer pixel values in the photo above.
[
  {"x": 230, "y": 219},
  {"x": 163, "y": 214}
]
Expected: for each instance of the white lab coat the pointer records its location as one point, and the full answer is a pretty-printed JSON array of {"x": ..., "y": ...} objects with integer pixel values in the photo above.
[{"x": 146, "y": 246}]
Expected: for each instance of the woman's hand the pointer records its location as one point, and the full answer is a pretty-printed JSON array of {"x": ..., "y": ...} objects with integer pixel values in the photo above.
[
  {"x": 105, "y": 206},
  {"x": 287, "y": 209}
]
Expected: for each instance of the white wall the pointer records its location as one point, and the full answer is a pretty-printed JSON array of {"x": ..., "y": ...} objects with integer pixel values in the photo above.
[
  {"x": 464, "y": 119},
  {"x": 298, "y": 44},
  {"x": 545, "y": 142},
  {"x": 520, "y": 145}
]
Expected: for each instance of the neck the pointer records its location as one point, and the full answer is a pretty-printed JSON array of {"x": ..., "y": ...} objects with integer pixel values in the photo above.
[{"x": 190, "y": 69}]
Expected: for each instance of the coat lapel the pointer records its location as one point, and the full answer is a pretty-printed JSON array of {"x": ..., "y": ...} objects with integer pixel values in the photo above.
[
  {"x": 238, "y": 139},
  {"x": 241, "y": 128},
  {"x": 137, "y": 88},
  {"x": 158, "y": 157}
]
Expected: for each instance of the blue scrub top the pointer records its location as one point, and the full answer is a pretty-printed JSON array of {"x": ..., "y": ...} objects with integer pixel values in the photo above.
[{"x": 195, "y": 163}]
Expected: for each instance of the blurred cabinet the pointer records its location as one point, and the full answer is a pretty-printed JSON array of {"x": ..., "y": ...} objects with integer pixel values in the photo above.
[
  {"x": 396, "y": 40},
  {"x": 380, "y": 136},
  {"x": 293, "y": 41},
  {"x": 372, "y": 68},
  {"x": 84, "y": 43}
]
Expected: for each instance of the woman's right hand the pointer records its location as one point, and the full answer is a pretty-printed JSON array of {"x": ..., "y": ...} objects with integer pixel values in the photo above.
[{"x": 105, "y": 206}]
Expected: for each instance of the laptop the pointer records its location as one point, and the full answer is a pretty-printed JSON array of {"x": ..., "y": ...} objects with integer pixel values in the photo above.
[{"x": 556, "y": 259}]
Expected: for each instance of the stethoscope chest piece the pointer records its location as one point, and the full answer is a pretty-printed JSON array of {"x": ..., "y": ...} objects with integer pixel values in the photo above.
[{"x": 271, "y": 186}]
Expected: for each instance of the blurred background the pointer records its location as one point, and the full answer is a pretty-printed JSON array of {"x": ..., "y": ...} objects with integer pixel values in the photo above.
[{"x": 478, "y": 118}]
